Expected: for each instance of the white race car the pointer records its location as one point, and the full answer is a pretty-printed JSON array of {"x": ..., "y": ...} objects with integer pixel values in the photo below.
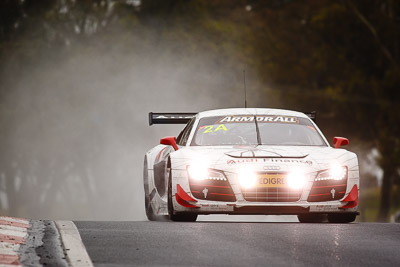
[{"x": 249, "y": 161}]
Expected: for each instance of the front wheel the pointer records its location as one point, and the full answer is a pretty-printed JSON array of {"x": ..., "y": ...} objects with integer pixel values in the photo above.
[
  {"x": 150, "y": 213},
  {"x": 341, "y": 217},
  {"x": 177, "y": 217}
]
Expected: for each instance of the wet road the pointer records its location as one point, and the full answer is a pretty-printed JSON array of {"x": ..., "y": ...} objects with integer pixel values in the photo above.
[{"x": 240, "y": 244}]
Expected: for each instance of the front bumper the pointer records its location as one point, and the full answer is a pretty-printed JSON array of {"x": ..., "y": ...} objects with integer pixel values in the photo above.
[
  {"x": 242, "y": 206},
  {"x": 266, "y": 208}
]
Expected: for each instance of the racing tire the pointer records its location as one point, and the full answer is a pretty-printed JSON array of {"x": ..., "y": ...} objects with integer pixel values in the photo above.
[
  {"x": 151, "y": 215},
  {"x": 311, "y": 218},
  {"x": 177, "y": 217},
  {"x": 341, "y": 217}
]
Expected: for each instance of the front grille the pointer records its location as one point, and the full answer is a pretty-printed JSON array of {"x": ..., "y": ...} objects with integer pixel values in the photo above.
[
  {"x": 215, "y": 190},
  {"x": 272, "y": 193}
]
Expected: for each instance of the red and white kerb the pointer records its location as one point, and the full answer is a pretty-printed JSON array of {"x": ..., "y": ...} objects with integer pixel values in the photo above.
[{"x": 13, "y": 232}]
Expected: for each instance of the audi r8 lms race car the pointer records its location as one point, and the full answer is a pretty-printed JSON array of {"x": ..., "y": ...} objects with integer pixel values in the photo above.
[{"x": 250, "y": 161}]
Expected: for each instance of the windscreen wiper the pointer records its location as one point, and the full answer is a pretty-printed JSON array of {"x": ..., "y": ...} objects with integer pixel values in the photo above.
[{"x": 258, "y": 131}]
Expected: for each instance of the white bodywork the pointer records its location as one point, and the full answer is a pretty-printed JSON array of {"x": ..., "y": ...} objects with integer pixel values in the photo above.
[{"x": 311, "y": 159}]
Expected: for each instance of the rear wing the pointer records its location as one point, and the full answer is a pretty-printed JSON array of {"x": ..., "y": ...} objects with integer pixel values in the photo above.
[
  {"x": 170, "y": 118},
  {"x": 183, "y": 118}
]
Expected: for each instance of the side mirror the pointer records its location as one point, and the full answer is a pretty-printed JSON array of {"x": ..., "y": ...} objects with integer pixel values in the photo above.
[
  {"x": 169, "y": 141},
  {"x": 340, "y": 141}
]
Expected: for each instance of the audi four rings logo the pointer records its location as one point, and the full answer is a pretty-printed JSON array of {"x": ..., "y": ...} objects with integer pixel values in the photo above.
[{"x": 272, "y": 168}]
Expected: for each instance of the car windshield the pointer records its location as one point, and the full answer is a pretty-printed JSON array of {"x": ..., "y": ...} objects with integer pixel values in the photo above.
[{"x": 242, "y": 130}]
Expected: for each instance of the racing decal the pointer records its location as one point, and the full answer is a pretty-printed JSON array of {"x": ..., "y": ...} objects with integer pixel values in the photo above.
[
  {"x": 238, "y": 161},
  {"x": 308, "y": 162},
  {"x": 216, "y": 207},
  {"x": 213, "y": 128},
  {"x": 264, "y": 118},
  {"x": 205, "y": 192},
  {"x": 159, "y": 154},
  {"x": 170, "y": 118},
  {"x": 272, "y": 180},
  {"x": 319, "y": 208},
  {"x": 269, "y": 182},
  {"x": 333, "y": 191}
]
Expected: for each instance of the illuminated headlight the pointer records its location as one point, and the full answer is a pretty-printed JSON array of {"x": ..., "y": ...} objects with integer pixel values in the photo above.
[
  {"x": 202, "y": 172},
  {"x": 247, "y": 177},
  {"x": 296, "y": 179},
  {"x": 335, "y": 172}
]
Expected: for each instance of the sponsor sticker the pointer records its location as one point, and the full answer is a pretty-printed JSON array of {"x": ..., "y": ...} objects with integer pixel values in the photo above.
[
  {"x": 213, "y": 128},
  {"x": 317, "y": 208},
  {"x": 271, "y": 180},
  {"x": 214, "y": 207},
  {"x": 259, "y": 118},
  {"x": 245, "y": 160},
  {"x": 278, "y": 160}
]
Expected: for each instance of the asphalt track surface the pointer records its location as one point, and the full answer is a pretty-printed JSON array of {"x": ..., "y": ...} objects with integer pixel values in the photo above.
[{"x": 240, "y": 244}]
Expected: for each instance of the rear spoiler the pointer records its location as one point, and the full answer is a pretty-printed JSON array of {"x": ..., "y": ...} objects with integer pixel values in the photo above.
[
  {"x": 170, "y": 118},
  {"x": 183, "y": 118}
]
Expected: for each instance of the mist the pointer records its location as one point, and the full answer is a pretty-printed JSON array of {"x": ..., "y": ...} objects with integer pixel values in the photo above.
[
  {"x": 78, "y": 79},
  {"x": 75, "y": 126}
]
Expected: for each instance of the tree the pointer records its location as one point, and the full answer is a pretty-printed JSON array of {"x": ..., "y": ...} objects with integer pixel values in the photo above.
[{"x": 343, "y": 58}]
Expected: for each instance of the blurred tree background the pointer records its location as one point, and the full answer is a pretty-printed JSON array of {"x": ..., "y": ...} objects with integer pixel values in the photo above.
[{"x": 340, "y": 58}]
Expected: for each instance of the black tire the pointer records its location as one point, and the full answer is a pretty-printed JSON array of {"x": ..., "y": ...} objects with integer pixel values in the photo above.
[
  {"x": 177, "y": 217},
  {"x": 341, "y": 217},
  {"x": 151, "y": 216},
  {"x": 149, "y": 211},
  {"x": 312, "y": 218}
]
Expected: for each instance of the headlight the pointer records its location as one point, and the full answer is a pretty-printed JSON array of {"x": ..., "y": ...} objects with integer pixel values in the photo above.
[
  {"x": 199, "y": 171},
  {"x": 335, "y": 172},
  {"x": 247, "y": 177},
  {"x": 296, "y": 179}
]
